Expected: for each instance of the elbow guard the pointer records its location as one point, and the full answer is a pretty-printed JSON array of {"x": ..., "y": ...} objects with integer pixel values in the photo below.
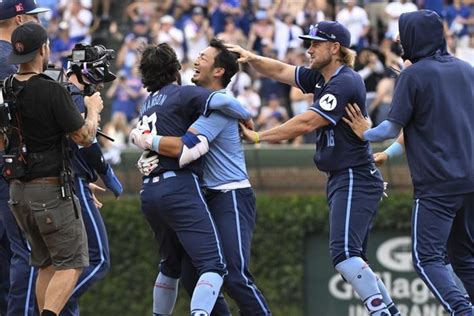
[{"x": 194, "y": 147}]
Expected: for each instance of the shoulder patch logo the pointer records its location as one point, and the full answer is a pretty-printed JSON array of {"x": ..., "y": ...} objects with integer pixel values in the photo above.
[{"x": 328, "y": 102}]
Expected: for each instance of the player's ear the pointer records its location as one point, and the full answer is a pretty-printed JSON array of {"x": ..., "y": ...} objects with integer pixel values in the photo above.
[
  {"x": 219, "y": 71},
  {"x": 336, "y": 48}
]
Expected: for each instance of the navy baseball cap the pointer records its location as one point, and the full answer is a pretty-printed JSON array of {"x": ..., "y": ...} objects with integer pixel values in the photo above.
[
  {"x": 332, "y": 31},
  {"x": 12, "y": 8},
  {"x": 26, "y": 40}
]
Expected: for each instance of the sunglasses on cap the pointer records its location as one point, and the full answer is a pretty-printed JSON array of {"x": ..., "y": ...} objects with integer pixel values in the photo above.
[{"x": 314, "y": 31}]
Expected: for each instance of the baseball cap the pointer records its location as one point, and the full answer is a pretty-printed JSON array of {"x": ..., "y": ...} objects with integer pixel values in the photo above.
[
  {"x": 198, "y": 11},
  {"x": 12, "y": 8},
  {"x": 332, "y": 31},
  {"x": 26, "y": 40}
]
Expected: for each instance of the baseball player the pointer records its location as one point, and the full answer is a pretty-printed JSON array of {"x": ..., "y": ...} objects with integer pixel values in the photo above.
[
  {"x": 88, "y": 164},
  {"x": 21, "y": 276},
  {"x": 229, "y": 195},
  {"x": 172, "y": 201},
  {"x": 433, "y": 104},
  {"x": 355, "y": 185}
]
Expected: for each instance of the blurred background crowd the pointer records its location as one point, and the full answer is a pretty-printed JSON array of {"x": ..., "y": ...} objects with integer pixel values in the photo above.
[{"x": 270, "y": 28}]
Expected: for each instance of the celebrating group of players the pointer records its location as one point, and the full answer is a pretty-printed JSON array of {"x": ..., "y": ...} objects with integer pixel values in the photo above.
[{"x": 198, "y": 200}]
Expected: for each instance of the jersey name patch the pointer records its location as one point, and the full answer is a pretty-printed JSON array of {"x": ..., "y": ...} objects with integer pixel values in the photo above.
[{"x": 328, "y": 102}]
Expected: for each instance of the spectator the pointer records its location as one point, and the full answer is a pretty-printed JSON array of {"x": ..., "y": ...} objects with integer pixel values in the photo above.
[
  {"x": 219, "y": 11},
  {"x": 238, "y": 83},
  {"x": 261, "y": 32},
  {"x": 380, "y": 105},
  {"x": 61, "y": 46},
  {"x": 310, "y": 15},
  {"x": 187, "y": 73},
  {"x": 128, "y": 55},
  {"x": 197, "y": 33},
  {"x": 166, "y": 32},
  {"x": 232, "y": 34},
  {"x": 127, "y": 93},
  {"x": 273, "y": 114},
  {"x": 251, "y": 100},
  {"x": 393, "y": 12},
  {"x": 355, "y": 19},
  {"x": 141, "y": 28},
  {"x": 378, "y": 21},
  {"x": 456, "y": 17},
  {"x": 80, "y": 20},
  {"x": 371, "y": 69},
  {"x": 286, "y": 35},
  {"x": 142, "y": 9}
]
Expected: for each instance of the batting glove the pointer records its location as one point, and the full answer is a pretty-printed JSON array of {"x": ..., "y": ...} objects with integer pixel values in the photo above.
[
  {"x": 147, "y": 164},
  {"x": 141, "y": 139}
]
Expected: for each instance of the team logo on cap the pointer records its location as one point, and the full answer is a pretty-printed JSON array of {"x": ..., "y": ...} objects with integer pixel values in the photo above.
[
  {"x": 328, "y": 102},
  {"x": 19, "y": 47},
  {"x": 19, "y": 7}
]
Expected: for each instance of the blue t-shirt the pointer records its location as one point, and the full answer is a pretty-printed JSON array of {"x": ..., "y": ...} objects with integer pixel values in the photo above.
[
  {"x": 434, "y": 102},
  {"x": 225, "y": 161},
  {"x": 337, "y": 147},
  {"x": 6, "y": 69},
  {"x": 169, "y": 112}
]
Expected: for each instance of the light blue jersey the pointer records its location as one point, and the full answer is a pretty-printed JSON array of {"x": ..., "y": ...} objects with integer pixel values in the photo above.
[{"x": 225, "y": 162}]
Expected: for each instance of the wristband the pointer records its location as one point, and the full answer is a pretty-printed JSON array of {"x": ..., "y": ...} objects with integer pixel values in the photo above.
[
  {"x": 396, "y": 149},
  {"x": 155, "y": 144},
  {"x": 257, "y": 138}
]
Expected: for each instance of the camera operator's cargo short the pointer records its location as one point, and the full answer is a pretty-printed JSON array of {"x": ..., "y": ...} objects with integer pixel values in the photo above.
[{"x": 53, "y": 228}]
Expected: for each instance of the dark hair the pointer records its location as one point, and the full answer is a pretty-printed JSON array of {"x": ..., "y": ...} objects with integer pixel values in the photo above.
[
  {"x": 159, "y": 66},
  {"x": 225, "y": 59}
]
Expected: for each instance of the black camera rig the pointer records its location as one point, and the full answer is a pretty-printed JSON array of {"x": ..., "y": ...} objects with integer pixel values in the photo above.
[{"x": 91, "y": 63}]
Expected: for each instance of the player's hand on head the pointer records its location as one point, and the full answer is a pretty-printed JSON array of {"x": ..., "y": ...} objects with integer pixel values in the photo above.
[
  {"x": 146, "y": 164},
  {"x": 248, "y": 134},
  {"x": 356, "y": 120},
  {"x": 380, "y": 158},
  {"x": 245, "y": 55}
]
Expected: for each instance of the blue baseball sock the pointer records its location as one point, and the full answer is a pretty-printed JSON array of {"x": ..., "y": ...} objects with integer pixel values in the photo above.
[
  {"x": 364, "y": 281},
  {"x": 206, "y": 292},
  {"x": 165, "y": 293}
]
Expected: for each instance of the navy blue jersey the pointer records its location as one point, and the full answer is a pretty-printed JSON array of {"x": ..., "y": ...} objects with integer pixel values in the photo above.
[
  {"x": 6, "y": 68},
  {"x": 79, "y": 164},
  {"x": 434, "y": 102},
  {"x": 170, "y": 112},
  {"x": 337, "y": 146}
]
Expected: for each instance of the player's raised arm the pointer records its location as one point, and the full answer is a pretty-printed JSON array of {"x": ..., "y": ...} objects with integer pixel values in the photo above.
[{"x": 266, "y": 66}]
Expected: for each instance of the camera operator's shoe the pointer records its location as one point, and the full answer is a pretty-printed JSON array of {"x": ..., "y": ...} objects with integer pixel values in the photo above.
[{"x": 199, "y": 313}]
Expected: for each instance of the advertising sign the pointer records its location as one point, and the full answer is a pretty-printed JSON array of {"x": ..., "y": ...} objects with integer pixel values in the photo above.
[{"x": 389, "y": 255}]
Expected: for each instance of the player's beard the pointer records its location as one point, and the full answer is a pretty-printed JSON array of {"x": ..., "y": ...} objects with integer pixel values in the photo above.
[{"x": 320, "y": 64}]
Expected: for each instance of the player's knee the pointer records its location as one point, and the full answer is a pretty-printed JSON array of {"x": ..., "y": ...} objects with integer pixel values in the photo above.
[
  {"x": 337, "y": 256},
  {"x": 170, "y": 271}
]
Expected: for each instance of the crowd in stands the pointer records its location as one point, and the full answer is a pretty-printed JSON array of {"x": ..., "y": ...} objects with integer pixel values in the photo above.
[{"x": 270, "y": 28}]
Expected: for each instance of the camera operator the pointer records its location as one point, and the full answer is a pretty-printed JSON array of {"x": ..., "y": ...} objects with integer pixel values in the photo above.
[
  {"x": 87, "y": 75},
  {"x": 40, "y": 189},
  {"x": 18, "y": 275}
]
